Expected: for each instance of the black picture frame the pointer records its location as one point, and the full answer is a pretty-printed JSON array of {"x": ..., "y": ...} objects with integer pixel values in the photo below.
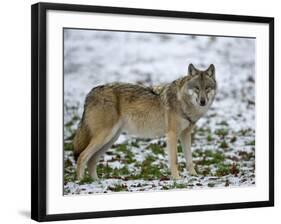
[{"x": 39, "y": 108}]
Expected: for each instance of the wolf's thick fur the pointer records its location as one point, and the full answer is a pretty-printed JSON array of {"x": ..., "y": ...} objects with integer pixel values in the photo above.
[{"x": 170, "y": 110}]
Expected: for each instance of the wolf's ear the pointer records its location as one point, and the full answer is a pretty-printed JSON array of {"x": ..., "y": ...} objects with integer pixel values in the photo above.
[
  {"x": 192, "y": 70},
  {"x": 211, "y": 70}
]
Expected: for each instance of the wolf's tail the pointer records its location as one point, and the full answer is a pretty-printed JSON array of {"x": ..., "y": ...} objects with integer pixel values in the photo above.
[{"x": 81, "y": 139}]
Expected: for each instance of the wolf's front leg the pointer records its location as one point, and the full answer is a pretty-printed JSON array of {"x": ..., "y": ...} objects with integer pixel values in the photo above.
[
  {"x": 172, "y": 154},
  {"x": 185, "y": 138}
]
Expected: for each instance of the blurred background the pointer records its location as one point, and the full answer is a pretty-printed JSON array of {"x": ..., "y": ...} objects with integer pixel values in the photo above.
[{"x": 224, "y": 140}]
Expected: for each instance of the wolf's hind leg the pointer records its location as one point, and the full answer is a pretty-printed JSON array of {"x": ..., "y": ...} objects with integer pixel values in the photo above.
[
  {"x": 92, "y": 163},
  {"x": 96, "y": 143}
]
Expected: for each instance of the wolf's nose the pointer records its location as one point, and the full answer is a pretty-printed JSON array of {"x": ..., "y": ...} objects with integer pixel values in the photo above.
[{"x": 202, "y": 102}]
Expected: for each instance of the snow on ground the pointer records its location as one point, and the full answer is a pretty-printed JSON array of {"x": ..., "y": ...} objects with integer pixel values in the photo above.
[{"x": 224, "y": 140}]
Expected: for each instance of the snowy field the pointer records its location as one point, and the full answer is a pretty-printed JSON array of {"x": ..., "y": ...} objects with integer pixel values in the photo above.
[{"x": 223, "y": 140}]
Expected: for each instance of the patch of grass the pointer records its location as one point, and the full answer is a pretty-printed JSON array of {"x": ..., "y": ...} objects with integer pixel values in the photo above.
[
  {"x": 73, "y": 120},
  {"x": 244, "y": 132},
  {"x": 86, "y": 180},
  {"x": 66, "y": 191},
  {"x": 128, "y": 155},
  {"x": 222, "y": 170},
  {"x": 69, "y": 171},
  {"x": 223, "y": 144},
  {"x": 180, "y": 148},
  {"x": 246, "y": 156},
  {"x": 222, "y": 132},
  {"x": 69, "y": 177},
  {"x": 216, "y": 159},
  {"x": 250, "y": 142},
  {"x": 206, "y": 130},
  {"x": 68, "y": 146},
  {"x": 203, "y": 170},
  {"x": 202, "y": 131},
  {"x": 135, "y": 143},
  {"x": 149, "y": 171},
  {"x": 156, "y": 149},
  {"x": 122, "y": 148},
  {"x": 129, "y": 158},
  {"x": 217, "y": 155},
  {"x": 226, "y": 183},
  {"x": 178, "y": 185},
  {"x": 166, "y": 187},
  {"x": 105, "y": 171},
  {"x": 209, "y": 138},
  {"x": 181, "y": 166},
  {"x": 210, "y": 157},
  {"x": 226, "y": 169},
  {"x": 69, "y": 126},
  {"x": 118, "y": 187},
  {"x": 223, "y": 123},
  {"x": 211, "y": 184},
  {"x": 121, "y": 172},
  {"x": 233, "y": 139},
  {"x": 67, "y": 163}
]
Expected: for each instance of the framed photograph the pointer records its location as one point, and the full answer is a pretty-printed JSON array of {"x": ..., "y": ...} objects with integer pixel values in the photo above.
[{"x": 140, "y": 111}]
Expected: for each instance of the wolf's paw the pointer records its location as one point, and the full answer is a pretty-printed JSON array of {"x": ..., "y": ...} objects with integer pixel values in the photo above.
[
  {"x": 176, "y": 176},
  {"x": 192, "y": 171},
  {"x": 94, "y": 176},
  {"x": 80, "y": 175}
]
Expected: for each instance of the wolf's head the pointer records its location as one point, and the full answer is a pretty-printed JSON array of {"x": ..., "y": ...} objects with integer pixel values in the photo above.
[{"x": 201, "y": 87}]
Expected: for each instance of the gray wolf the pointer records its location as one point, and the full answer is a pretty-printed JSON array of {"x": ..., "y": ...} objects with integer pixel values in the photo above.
[{"x": 170, "y": 110}]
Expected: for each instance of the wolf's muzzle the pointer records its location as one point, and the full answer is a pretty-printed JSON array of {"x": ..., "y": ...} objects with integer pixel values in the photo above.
[{"x": 202, "y": 102}]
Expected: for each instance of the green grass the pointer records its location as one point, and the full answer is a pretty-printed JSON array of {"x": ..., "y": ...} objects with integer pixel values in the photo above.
[
  {"x": 118, "y": 187},
  {"x": 70, "y": 123},
  {"x": 250, "y": 142},
  {"x": 226, "y": 169},
  {"x": 245, "y": 132},
  {"x": 201, "y": 131},
  {"x": 209, "y": 157},
  {"x": 156, "y": 149},
  {"x": 178, "y": 185},
  {"x": 107, "y": 172},
  {"x": 209, "y": 138},
  {"x": 150, "y": 171},
  {"x": 180, "y": 148},
  {"x": 246, "y": 156},
  {"x": 68, "y": 146},
  {"x": 223, "y": 123},
  {"x": 222, "y": 132},
  {"x": 233, "y": 139},
  {"x": 223, "y": 144}
]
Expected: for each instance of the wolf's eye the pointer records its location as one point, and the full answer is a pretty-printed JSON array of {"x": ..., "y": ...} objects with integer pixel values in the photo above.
[
  {"x": 197, "y": 88},
  {"x": 208, "y": 89}
]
